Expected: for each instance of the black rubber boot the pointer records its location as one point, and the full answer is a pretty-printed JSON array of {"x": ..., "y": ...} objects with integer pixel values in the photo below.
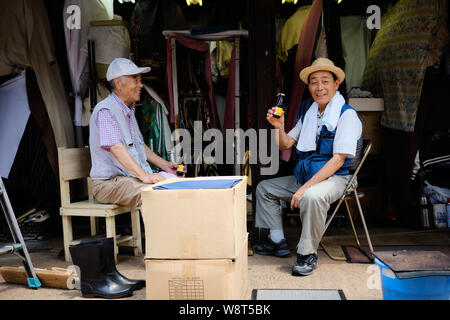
[
  {"x": 108, "y": 245},
  {"x": 95, "y": 279}
]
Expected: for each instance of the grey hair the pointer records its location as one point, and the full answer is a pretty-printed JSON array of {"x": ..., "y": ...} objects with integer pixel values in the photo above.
[{"x": 111, "y": 83}]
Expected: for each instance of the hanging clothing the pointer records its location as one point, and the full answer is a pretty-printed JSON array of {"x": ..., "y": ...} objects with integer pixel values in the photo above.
[
  {"x": 230, "y": 104},
  {"x": 224, "y": 52},
  {"x": 291, "y": 32},
  {"x": 148, "y": 20},
  {"x": 151, "y": 130},
  {"x": 155, "y": 126},
  {"x": 355, "y": 47},
  {"x": 302, "y": 60},
  {"x": 28, "y": 43},
  {"x": 102, "y": 93},
  {"x": 223, "y": 63},
  {"x": 39, "y": 113},
  {"x": 321, "y": 44},
  {"x": 332, "y": 25},
  {"x": 160, "y": 126},
  {"x": 411, "y": 39},
  {"x": 77, "y": 51},
  {"x": 112, "y": 40},
  {"x": 221, "y": 52},
  {"x": 201, "y": 47},
  {"x": 213, "y": 52},
  {"x": 14, "y": 114},
  {"x": 31, "y": 181}
]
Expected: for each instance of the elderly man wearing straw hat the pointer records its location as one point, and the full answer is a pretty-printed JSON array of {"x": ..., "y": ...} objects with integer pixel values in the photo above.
[{"x": 327, "y": 138}]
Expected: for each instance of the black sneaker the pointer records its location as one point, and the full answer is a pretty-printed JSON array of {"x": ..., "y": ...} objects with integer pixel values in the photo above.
[
  {"x": 305, "y": 265},
  {"x": 271, "y": 248}
]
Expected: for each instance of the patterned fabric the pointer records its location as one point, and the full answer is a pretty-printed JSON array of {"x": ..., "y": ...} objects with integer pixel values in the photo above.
[
  {"x": 109, "y": 127},
  {"x": 152, "y": 126},
  {"x": 411, "y": 37}
]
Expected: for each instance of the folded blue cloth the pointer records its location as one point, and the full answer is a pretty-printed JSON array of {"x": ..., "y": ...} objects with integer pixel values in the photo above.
[{"x": 199, "y": 184}]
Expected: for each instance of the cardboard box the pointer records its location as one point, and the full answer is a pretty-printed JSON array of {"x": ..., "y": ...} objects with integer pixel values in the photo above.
[
  {"x": 370, "y": 110},
  {"x": 195, "y": 224},
  {"x": 367, "y": 104},
  {"x": 219, "y": 279},
  {"x": 372, "y": 129}
]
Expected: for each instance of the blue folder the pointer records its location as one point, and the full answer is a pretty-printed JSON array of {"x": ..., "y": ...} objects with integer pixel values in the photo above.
[{"x": 199, "y": 184}]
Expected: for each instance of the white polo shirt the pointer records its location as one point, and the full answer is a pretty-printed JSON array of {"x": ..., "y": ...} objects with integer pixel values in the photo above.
[{"x": 348, "y": 131}]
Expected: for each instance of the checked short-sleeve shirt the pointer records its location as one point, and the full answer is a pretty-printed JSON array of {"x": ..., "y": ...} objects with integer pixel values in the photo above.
[{"x": 108, "y": 126}]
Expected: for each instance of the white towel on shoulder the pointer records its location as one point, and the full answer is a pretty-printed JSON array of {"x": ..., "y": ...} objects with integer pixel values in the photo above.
[{"x": 307, "y": 140}]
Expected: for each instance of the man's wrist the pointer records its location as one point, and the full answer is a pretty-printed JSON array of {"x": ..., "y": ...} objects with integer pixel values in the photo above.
[
  {"x": 141, "y": 176},
  {"x": 166, "y": 166}
]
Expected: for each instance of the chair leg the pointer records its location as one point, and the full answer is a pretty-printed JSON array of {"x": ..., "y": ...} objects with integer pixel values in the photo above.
[
  {"x": 327, "y": 223},
  {"x": 67, "y": 236},
  {"x": 364, "y": 223},
  {"x": 136, "y": 230},
  {"x": 111, "y": 233},
  {"x": 93, "y": 226},
  {"x": 351, "y": 222}
]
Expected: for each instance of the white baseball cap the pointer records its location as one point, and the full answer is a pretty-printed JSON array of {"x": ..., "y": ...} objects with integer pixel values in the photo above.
[{"x": 123, "y": 67}]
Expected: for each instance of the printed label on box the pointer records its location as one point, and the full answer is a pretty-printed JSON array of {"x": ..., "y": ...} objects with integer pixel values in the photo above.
[{"x": 186, "y": 290}]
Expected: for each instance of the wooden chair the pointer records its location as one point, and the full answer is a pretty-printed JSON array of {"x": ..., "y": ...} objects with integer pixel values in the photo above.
[{"x": 75, "y": 163}]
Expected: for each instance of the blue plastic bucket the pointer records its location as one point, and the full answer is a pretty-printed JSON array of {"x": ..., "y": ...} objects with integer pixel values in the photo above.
[{"x": 423, "y": 288}]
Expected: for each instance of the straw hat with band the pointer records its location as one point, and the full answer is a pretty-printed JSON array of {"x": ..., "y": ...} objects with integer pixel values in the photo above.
[{"x": 322, "y": 64}]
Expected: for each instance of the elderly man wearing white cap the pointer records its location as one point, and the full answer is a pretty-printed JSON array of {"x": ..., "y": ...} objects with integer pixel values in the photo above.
[
  {"x": 119, "y": 156},
  {"x": 327, "y": 138}
]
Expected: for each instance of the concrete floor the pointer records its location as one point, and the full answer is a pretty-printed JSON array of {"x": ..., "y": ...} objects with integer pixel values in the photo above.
[
  {"x": 358, "y": 281},
  {"x": 264, "y": 273}
]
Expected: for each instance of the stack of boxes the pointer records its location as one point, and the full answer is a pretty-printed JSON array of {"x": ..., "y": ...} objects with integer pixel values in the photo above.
[{"x": 196, "y": 242}]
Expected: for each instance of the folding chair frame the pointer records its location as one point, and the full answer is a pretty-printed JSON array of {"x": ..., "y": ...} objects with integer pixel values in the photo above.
[{"x": 350, "y": 190}]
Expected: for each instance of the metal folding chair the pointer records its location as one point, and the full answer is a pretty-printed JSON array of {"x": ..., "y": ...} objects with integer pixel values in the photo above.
[{"x": 351, "y": 192}]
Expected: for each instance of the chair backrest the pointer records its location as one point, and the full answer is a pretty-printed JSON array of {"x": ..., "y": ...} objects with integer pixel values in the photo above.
[
  {"x": 74, "y": 163},
  {"x": 354, "y": 162},
  {"x": 368, "y": 145}
]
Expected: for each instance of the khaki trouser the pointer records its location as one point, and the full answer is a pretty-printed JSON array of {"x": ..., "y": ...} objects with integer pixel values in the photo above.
[
  {"x": 313, "y": 206},
  {"x": 122, "y": 190}
]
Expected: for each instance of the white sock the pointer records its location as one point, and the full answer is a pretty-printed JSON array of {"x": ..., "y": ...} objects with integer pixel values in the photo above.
[{"x": 276, "y": 235}]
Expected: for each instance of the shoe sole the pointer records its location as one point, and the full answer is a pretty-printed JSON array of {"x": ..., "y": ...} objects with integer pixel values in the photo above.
[
  {"x": 99, "y": 295},
  {"x": 279, "y": 254},
  {"x": 298, "y": 274},
  {"x": 139, "y": 287}
]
